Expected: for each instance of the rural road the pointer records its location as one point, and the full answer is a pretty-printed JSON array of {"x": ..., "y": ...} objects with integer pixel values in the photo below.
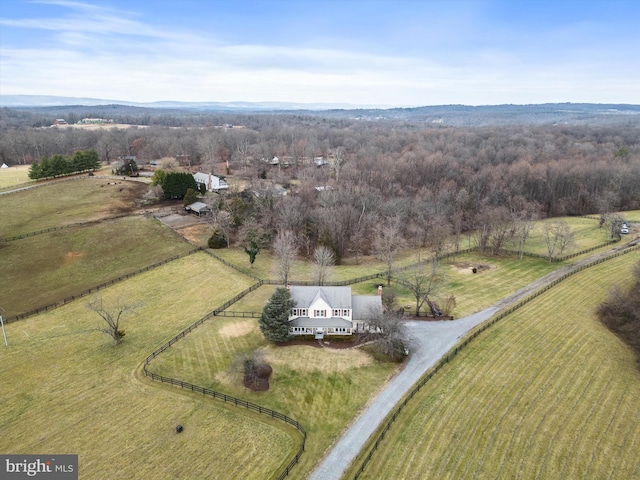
[{"x": 429, "y": 342}]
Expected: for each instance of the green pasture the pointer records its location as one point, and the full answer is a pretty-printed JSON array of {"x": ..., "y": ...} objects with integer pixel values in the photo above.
[
  {"x": 65, "y": 203},
  {"x": 321, "y": 388},
  {"x": 587, "y": 234},
  {"x": 67, "y": 389},
  {"x": 265, "y": 266},
  {"x": 496, "y": 278},
  {"x": 547, "y": 393},
  {"x": 13, "y": 176},
  {"x": 632, "y": 216},
  {"x": 47, "y": 268}
]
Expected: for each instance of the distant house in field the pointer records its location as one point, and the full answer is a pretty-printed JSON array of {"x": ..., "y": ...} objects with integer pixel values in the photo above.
[
  {"x": 94, "y": 121},
  {"x": 320, "y": 161},
  {"x": 211, "y": 182},
  {"x": 324, "y": 311},
  {"x": 60, "y": 121},
  {"x": 198, "y": 208}
]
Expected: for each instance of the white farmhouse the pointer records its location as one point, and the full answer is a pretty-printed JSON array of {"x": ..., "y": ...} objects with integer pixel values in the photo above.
[
  {"x": 323, "y": 311},
  {"x": 211, "y": 182}
]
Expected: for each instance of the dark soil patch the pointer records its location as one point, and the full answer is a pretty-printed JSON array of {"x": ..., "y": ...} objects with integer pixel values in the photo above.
[{"x": 127, "y": 195}]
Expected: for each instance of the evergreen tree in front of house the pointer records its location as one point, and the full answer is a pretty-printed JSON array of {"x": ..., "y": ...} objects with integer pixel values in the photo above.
[
  {"x": 274, "y": 322},
  {"x": 176, "y": 184}
]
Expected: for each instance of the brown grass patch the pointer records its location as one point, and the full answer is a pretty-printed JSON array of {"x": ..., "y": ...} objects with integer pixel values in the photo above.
[
  {"x": 197, "y": 234},
  {"x": 72, "y": 256},
  {"x": 238, "y": 329},
  {"x": 467, "y": 267},
  {"x": 309, "y": 359}
]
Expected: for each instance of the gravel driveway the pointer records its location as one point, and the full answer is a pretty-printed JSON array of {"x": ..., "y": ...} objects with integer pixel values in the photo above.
[{"x": 430, "y": 341}]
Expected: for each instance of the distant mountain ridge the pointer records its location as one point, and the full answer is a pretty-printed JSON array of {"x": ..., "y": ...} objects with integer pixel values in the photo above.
[
  {"x": 42, "y": 109},
  {"x": 20, "y": 101}
]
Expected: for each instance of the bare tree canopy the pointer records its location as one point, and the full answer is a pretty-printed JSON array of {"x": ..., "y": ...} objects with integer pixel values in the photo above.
[
  {"x": 112, "y": 316},
  {"x": 323, "y": 260},
  {"x": 285, "y": 249},
  {"x": 558, "y": 238}
]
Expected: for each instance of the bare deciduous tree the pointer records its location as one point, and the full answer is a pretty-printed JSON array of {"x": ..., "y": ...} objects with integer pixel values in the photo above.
[
  {"x": 388, "y": 243},
  {"x": 558, "y": 238},
  {"x": 423, "y": 283},
  {"x": 223, "y": 222},
  {"x": 112, "y": 316},
  {"x": 390, "y": 335},
  {"x": 285, "y": 249},
  {"x": 323, "y": 259}
]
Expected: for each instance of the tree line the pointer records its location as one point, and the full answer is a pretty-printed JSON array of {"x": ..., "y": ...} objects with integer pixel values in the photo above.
[{"x": 60, "y": 165}]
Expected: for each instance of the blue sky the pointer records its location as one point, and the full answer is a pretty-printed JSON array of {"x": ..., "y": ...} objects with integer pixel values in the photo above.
[{"x": 361, "y": 52}]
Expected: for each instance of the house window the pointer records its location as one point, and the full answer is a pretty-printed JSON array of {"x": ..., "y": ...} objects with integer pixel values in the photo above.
[
  {"x": 319, "y": 313},
  {"x": 299, "y": 312}
]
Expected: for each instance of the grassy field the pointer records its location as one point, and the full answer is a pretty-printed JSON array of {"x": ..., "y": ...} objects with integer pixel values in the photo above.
[
  {"x": 46, "y": 268},
  {"x": 265, "y": 265},
  {"x": 12, "y": 176},
  {"x": 497, "y": 277},
  {"x": 67, "y": 389},
  {"x": 66, "y": 203},
  {"x": 586, "y": 233},
  {"x": 321, "y": 388},
  {"x": 632, "y": 215},
  {"x": 547, "y": 393}
]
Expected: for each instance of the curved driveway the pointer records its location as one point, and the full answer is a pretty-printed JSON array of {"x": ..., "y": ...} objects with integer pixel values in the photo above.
[{"x": 429, "y": 342}]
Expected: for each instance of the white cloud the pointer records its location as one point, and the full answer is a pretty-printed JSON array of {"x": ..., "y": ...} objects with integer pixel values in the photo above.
[{"x": 103, "y": 53}]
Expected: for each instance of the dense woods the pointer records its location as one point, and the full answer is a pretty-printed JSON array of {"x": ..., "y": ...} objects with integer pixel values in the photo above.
[{"x": 351, "y": 183}]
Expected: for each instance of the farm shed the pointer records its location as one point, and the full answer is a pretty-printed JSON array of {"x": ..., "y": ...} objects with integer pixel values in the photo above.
[{"x": 198, "y": 208}]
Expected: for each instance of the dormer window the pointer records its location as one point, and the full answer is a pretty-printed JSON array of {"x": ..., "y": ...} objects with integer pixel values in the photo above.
[{"x": 319, "y": 313}]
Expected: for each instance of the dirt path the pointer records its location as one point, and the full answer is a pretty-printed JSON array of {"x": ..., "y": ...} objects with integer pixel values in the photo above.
[{"x": 430, "y": 341}]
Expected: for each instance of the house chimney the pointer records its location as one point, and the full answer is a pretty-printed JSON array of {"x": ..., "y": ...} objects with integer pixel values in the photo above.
[{"x": 210, "y": 183}]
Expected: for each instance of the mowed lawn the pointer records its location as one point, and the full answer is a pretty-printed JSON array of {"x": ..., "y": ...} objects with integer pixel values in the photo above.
[
  {"x": 321, "y": 388},
  {"x": 546, "y": 393},
  {"x": 64, "y": 203},
  {"x": 47, "y": 268},
  {"x": 67, "y": 389}
]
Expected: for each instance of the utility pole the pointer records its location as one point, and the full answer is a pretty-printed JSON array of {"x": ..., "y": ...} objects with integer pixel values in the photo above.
[{"x": 3, "y": 332}]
